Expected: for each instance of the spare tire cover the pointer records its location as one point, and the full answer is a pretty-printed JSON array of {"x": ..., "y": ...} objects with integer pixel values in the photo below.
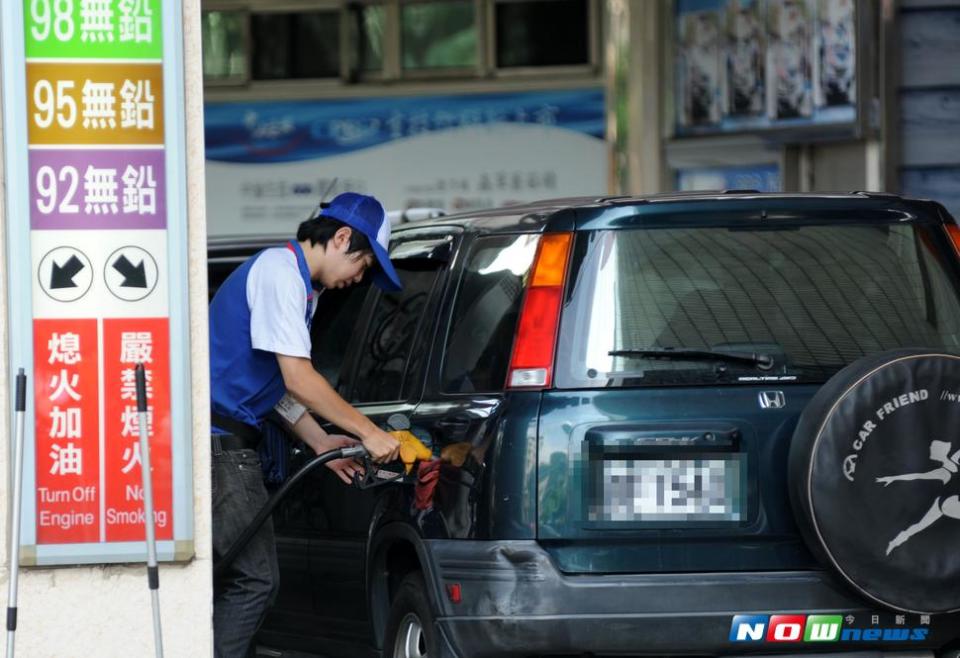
[{"x": 875, "y": 478}]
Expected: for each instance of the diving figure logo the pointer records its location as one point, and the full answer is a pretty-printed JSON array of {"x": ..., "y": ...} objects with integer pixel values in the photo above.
[{"x": 949, "y": 507}]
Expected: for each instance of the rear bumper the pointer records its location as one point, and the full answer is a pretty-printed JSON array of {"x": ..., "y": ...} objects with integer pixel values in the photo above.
[{"x": 515, "y": 602}]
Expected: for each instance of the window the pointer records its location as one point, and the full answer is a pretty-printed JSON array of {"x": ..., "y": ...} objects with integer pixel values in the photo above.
[
  {"x": 813, "y": 297},
  {"x": 542, "y": 33},
  {"x": 295, "y": 45},
  {"x": 334, "y": 325},
  {"x": 396, "y": 321},
  {"x": 439, "y": 35},
  {"x": 223, "y": 34},
  {"x": 365, "y": 40},
  {"x": 367, "y": 27},
  {"x": 478, "y": 347}
]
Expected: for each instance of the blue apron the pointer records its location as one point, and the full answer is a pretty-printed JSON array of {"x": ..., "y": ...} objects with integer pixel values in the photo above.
[{"x": 245, "y": 383}]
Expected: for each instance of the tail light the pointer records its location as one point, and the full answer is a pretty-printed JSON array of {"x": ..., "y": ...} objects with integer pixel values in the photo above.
[
  {"x": 531, "y": 364},
  {"x": 954, "y": 231}
]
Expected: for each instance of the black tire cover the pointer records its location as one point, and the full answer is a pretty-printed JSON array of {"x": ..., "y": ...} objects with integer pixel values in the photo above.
[{"x": 875, "y": 478}]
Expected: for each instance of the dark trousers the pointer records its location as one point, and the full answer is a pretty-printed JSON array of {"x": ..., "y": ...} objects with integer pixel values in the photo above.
[{"x": 243, "y": 594}]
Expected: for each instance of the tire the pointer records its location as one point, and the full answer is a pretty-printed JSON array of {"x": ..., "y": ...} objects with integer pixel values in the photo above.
[
  {"x": 411, "y": 632},
  {"x": 875, "y": 475}
]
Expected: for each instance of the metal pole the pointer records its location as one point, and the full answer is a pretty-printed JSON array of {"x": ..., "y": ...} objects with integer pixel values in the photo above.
[
  {"x": 153, "y": 575},
  {"x": 21, "y": 406}
]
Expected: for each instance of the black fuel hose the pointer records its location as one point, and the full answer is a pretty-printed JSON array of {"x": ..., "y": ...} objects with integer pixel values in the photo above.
[{"x": 241, "y": 542}]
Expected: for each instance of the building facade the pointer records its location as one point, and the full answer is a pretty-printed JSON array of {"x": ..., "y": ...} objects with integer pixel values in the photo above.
[{"x": 468, "y": 103}]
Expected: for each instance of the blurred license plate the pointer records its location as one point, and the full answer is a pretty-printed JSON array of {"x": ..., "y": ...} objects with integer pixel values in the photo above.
[{"x": 695, "y": 489}]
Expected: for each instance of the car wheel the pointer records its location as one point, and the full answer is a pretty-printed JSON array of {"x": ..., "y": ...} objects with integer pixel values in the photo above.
[
  {"x": 410, "y": 629},
  {"x": 875, "y": 478}
]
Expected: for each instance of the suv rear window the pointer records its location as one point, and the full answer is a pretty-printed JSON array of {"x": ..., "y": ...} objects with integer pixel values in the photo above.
[{"x": 813, "y": 297}]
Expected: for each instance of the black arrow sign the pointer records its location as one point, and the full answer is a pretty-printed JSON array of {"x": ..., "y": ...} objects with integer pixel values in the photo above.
[
  {"x": 134, "y": 276},
  {"x": 62, "y": 277}
]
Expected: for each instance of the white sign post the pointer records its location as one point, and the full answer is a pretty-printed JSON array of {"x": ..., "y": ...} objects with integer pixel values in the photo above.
[{"x": 96, "y": 232}]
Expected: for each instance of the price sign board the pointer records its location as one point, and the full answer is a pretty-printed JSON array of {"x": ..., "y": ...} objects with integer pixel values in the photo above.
[
  {"x": 104, "y": 167},
  {"x": 110, "y": 104},
  {"x": 98, "y": 29}
]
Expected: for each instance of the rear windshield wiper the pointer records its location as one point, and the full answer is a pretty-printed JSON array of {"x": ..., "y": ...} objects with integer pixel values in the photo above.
[{"x": 762, "y": 361}]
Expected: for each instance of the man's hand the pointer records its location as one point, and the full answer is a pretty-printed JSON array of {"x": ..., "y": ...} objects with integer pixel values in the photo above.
[
  {"x": 344, "y": 468},
  {"x": 381, "y": 446}
]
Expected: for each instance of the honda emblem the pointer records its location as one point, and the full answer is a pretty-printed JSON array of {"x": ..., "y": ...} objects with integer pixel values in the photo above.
[{"x": 772, "y": 400}]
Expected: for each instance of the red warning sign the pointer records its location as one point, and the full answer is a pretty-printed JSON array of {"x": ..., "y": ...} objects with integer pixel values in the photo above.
[
  {"x": 66, "y": 395},
  {"x": 127, "y": 342}
]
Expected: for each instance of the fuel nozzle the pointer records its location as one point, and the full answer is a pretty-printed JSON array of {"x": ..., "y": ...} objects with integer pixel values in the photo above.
[{"x": 412, "y": 449}]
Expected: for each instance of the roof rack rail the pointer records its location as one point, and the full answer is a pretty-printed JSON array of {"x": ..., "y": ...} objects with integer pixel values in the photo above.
[
  {"x": 876, "y": 194},
  {"x": 414, "y": 214},
  {"x": 741, "y": 191}
]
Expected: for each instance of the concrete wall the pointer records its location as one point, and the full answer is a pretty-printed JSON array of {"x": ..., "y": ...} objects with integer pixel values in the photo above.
[
  {"x": 832, "y": 167},
  {"x": 637, "y": 93},
  {"x": 928, "y": 100},
  {"x": 105, "y": 610}
]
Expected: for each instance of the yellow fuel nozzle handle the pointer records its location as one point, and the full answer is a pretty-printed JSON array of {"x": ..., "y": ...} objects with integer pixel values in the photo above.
[{"x": 411, "y": 449}]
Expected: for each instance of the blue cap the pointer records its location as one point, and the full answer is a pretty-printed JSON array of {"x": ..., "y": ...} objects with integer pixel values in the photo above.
[{"x": 365, "y": 214}]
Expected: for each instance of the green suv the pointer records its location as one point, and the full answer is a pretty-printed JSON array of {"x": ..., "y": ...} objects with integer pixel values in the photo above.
[{"x": 686, "y": 424}]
